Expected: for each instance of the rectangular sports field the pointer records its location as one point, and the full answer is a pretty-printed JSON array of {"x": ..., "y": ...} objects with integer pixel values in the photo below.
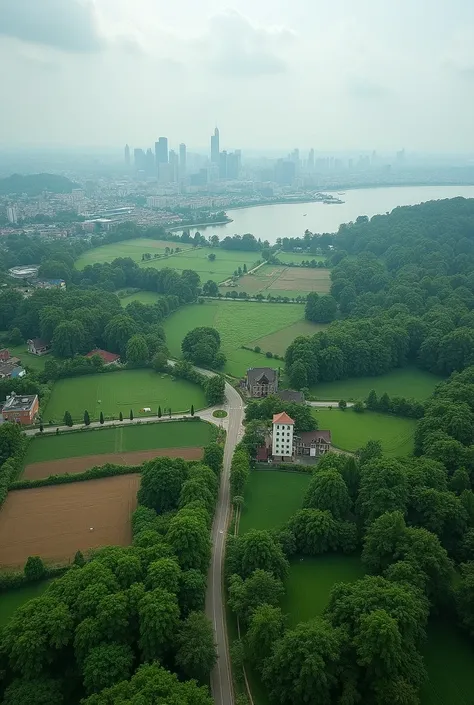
[
  {"x": 271, "y": 498},
  {"x": 127, "y": 248},
  {"x": 279, "y": 280},
  {"x": 55, "y": 522},
  {"x": 410, "y": 382},
  {"x": 239, "y": 323},
  {"x": 116, "y": 392},
  {"x": 350, "y": 430}
]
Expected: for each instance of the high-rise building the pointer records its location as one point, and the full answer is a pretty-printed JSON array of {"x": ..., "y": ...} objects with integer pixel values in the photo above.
[
  {"x": 139, "y": 159},
  {"x": 149, "y": 163},
  {"x": 127, "y": 155},
  {"x": 215, "y": 147},
  {"x": 311, "y": 160},
  {"x": 173, "y": 165},
  {"x": 182, "y": 160},
  {"x": 223, "y": 165},
  {"x": 161, "y": 151},
  {"x": 233, "y": 166},
  {"x": 12, "y": 214},
  {"x": 285, "y": 172}
]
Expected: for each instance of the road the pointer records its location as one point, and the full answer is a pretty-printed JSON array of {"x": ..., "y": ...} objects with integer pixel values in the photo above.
[{"x": 221, "y": 676}]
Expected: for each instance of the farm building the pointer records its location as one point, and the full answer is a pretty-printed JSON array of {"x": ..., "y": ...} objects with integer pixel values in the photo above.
[
  {"x": 107, "y": 358},
  {"x": 285, "y": 445},
  {"x": 261, "y": 381},
  {"x": 36, "y": 346}
]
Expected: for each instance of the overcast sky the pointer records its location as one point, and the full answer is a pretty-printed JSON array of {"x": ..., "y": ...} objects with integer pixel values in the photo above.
[{"x": 333, "y": 74}]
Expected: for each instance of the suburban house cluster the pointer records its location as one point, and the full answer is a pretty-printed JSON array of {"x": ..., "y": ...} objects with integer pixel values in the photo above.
[
  {"x": 284, "y": 445},
  {"x": 36, "y": 346},
  {"x": 10, "y": 367}
]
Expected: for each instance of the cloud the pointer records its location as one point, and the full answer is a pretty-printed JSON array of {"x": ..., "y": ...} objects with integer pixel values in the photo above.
[
  {"x": 238, "y": 47},
  {"x": 459, "y": 55},
  {"x": 70, "y": 25}
]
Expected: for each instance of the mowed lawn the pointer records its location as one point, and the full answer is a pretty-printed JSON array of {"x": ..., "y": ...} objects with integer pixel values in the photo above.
[
  {"x": 310, "y": 581},
  {"x": 223, "y": 267},
  {"x": 410, "y": 382},
  {"x": 172, "y": 434},
  {"x": 350, "y": 430},
  {"x": 449, "y": 660},
  {"x": 127, "y": 248},
  {"x": 239, "y": 323},
  {"x": 279, "y": 341},
  {"x": 36, "y": 362},
  {"x": 117, "y": 392},
  {"x": 143, "y": 297},
  {"x": 271, "y": 498}
]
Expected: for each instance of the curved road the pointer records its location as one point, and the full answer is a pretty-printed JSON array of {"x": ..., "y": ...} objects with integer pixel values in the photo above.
[{"x": 221, "y": 676}]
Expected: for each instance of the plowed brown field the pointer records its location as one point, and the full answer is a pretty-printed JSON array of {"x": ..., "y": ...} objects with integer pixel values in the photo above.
[{"x": 54, "y": 522}]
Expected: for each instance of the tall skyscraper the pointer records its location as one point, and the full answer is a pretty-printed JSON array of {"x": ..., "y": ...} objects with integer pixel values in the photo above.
[
  {"x": 311, "y": 160},
  {"x": 127, "y": 155},
  {"x": 182, "y": 160},
  {"x": 223, "y": 165},
  {"x": 149, "y": 163},
  {"x": 233, "y": 165},
  {"x": 12, "y": 214},
  {"x": 215, "y": 147},
  {"x": 173, "y": 166},
  {"x": 161, "y": 151},
  {"x": 139, "y": 159}
]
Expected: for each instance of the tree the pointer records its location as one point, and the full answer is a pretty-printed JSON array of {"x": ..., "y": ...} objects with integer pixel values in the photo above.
[
  {"x": 196, "y": 650},
  {"x": 164, "y": 573},
  {"x": 211, "y": 257},
  {"x": 464, "y": 592},
  {"x": 188, "y": 536},
  {"x": 160, "y": 362},
  {"x": 201, "y": 346},
  {"x": 298, "y": 375},
  {"x": 266, "y": 626},
  {"x": 305, "y": 661},
  {"x": 320, "y": 309},
  {"x": 137, "y": 352},
  {"x": 106, "y": 665},
  {"x": 37, "y": 691},
  {"x": 213, "y": 457},
  {"x": 371, "y": 451},
  {"x": 118, "y": 332},
  {"x": 162, "y": 480},
  {"x": 159, "y": 412},
  {"x": 101, "y": 418},
  {"x": 87, "y": 418},
  {"x": 256, "y": 550},
  {"x": 261, "y": 587},
  {"x": 214, "y": 389},
  {"x": 372, "y": 401},
  {"x": 120, "y": 416},
  {"x": 158, "y": 615},
  {"x": 210, "y": 288},
  {"x": 131, "y": 415},
  {"x": 69, "y": 339},
  {"x": 192, "y": 409},
  {"x": 315, "y": 531},
  {"x": 15, "y": 337},
  {"x": 49, "y": 318},
  {"x": 327, "y": 490},
  {"x": 383, "y": 488},
  {"x": 358, "y": 407},
  {"x": 79, "y": 559},
  {"x": 41, "y": 427},
  {"x": 68, "y": 419},
  {"x": 382, "y": 541},
  {"x": 192, "y": 591},
  {"x": 342, "y": 405},
  {"x": 460, "y": 481},
  {"x": 34, "y": 568}
]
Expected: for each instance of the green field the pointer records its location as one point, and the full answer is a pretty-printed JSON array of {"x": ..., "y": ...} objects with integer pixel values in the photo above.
[
  {"x": 279, "y": 341},
  {"x": 221, "y": 268},
  {"x": 298, "y": 257},
  {"x": 449, "y": 660},
  {"x": 12, "y": 599},
  {"x": 172, "y": 434},
  {"x": 121, "y": 391},
  {"x": 409, "y": 382},
  {"x": 239, "y": 323},
  {"x": 351, "y": 431},
  {"x": 36, "y": 362},
  {"x": 279, "y": 280},
  {"x": 144, "y": 297},
  {"x": 128, "y": 248},
  {"x": 310, "y": 581},
  {"x": 271, "y": 498}
]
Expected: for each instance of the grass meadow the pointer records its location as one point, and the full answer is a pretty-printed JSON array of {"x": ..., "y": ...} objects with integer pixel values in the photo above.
[
  {"x": 279, "y": 280},
  {"x": 122, "y": 439},
  {"x": 279, "y": 341},
  {"x": 350, "y": 430},
  {"x": 116, "y": 392},
  {"x": 36, "y": 362},
  {"x": 239, "y": 323},
  {"x": 127, "y": 248},
  {"x": 410, "y": 382},
  {"x": 144, "y": 297}
]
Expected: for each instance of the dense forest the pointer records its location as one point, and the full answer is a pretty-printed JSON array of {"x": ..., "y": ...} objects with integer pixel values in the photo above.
[
  {"x": 402, "y": 291},
  {"x": 34, "y": 184}
]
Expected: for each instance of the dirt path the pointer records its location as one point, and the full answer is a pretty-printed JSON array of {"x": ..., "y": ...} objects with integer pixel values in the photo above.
[{"x": 36, "y": 471}]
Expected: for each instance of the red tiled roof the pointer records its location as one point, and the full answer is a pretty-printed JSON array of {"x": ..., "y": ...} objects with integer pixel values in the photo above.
[
  {"x": 107, "y": 357},
  {"x": 282, "y": 418}
]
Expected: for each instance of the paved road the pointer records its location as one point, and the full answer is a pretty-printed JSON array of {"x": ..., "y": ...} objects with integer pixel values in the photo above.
[
  {"x": 327, "y": 404},
  {"x": 221, "y": 676}
]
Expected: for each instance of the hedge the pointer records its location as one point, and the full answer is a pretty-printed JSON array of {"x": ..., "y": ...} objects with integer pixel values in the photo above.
[
  {"x": 14, "y": 580},
  {"x": 11, "y": 469},
  {"x": 95, "y": 473}
]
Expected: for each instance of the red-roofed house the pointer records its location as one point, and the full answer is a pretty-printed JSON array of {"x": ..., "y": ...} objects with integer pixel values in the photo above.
[
  {"x": 4, "y": 355},
  {"x": 107, "y": 358},
  {"x": 287, "y": 445},
  {"x": 282, "y": 436}
]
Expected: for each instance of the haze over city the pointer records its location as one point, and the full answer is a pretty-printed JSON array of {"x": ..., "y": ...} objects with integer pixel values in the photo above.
[{"x": 273, "y": 75}]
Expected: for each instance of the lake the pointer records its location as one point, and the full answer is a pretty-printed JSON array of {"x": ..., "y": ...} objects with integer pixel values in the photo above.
[{"x": 289, "y": 220}]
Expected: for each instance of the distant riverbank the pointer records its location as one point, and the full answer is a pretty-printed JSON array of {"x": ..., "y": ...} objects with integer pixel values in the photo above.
[{"x": 200, "y": 225}]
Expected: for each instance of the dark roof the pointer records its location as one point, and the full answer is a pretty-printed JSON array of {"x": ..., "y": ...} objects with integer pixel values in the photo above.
[
  {"x": 262, "y": 453},
  {"x": 6, "y": 368},
  {"x": 107, "y": 357},
  {"x": 38, "y": 343},
  {"x": 19, "y": 402},
  {"x": 291, "y": 395},
  {"x": 308, "y": 437},
  {"x": 262, "y": 375}
]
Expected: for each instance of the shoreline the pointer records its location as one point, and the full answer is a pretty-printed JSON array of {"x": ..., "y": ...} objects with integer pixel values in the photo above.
[{"x": 200, "y": 225}]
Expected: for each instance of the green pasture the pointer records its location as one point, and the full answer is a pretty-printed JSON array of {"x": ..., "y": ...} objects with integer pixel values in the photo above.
[
  {"x": 280, "y": 280},
  {"x": 144, "y": 297},
  {"x": 350, "y": 430},
  {"x": 310, "y": 582},
  {"x": 127, "y": 248},
  {"x": 122, "y": 439},
  {"x": 279, "y": 341},
  {"x": 410, "y": 382},
  {"x": 271, "y": 498},
  {"x": 197, "y": 259},
  {"x": 449, "y": 661},
  {"x": 121, "y": 391},
  {"x": 10, "y": 600},
  {"x": 239, "y": 323}
]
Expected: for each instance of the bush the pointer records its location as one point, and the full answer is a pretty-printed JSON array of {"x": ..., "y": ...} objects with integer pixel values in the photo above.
[
  {"x": 342, "y": 405},
  {"x": 269, "y": 355},
  {"x": 34, "y": 568},
  {"x": 358, "y": 407}
]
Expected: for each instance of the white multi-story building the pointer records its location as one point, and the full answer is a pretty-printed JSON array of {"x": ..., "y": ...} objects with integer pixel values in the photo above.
[
  {"x": 282, "y": 435},
  {"x": 12, "y": 214}
]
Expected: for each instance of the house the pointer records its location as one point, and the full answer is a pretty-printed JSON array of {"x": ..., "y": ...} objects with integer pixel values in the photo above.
[
  {"x": 4, "y": 355},
  {"x": 36, "y": 346},
  {"x": 49, "y": 284},
  {"x": 21, "y": 409},
  {"x": 261, "y": 381},
  {"x": 312, "y": 443},
  {"x": 282, "y": 436},
  {"x": 291, "y": 395},
  {"x": 107, "y": 358},
  {"x": 11, "y": 369}
]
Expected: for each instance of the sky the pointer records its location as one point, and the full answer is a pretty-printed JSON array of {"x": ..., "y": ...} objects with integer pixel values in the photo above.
[{"x": 272, "y": 74}]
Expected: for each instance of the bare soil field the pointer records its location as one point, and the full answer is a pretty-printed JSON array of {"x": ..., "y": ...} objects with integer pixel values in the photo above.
[
  {"x": 54, "y": 522},
  {"x": 72, "y": 466}
]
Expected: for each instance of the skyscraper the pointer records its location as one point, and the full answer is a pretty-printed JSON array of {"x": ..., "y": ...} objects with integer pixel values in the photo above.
[
  {"x": 149, "y": 163},
  {"x": 311, "y": 160},
  {"x": 223, "y": 165},
  {"x": 161, "y": 151},
  {"x": 233, "y": 165},
  {"x": 12, "y": 214},
  {"x": 215, "y": 147},
  {"x": 173, "y": 166},
  {"x": 182, "y": 161},
  {"x": 127, "y": 155},
  {"x": 139, "y": 159}
]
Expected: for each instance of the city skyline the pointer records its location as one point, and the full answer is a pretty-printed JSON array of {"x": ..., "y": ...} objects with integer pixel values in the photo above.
[{"x": 270, "y": 74}]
